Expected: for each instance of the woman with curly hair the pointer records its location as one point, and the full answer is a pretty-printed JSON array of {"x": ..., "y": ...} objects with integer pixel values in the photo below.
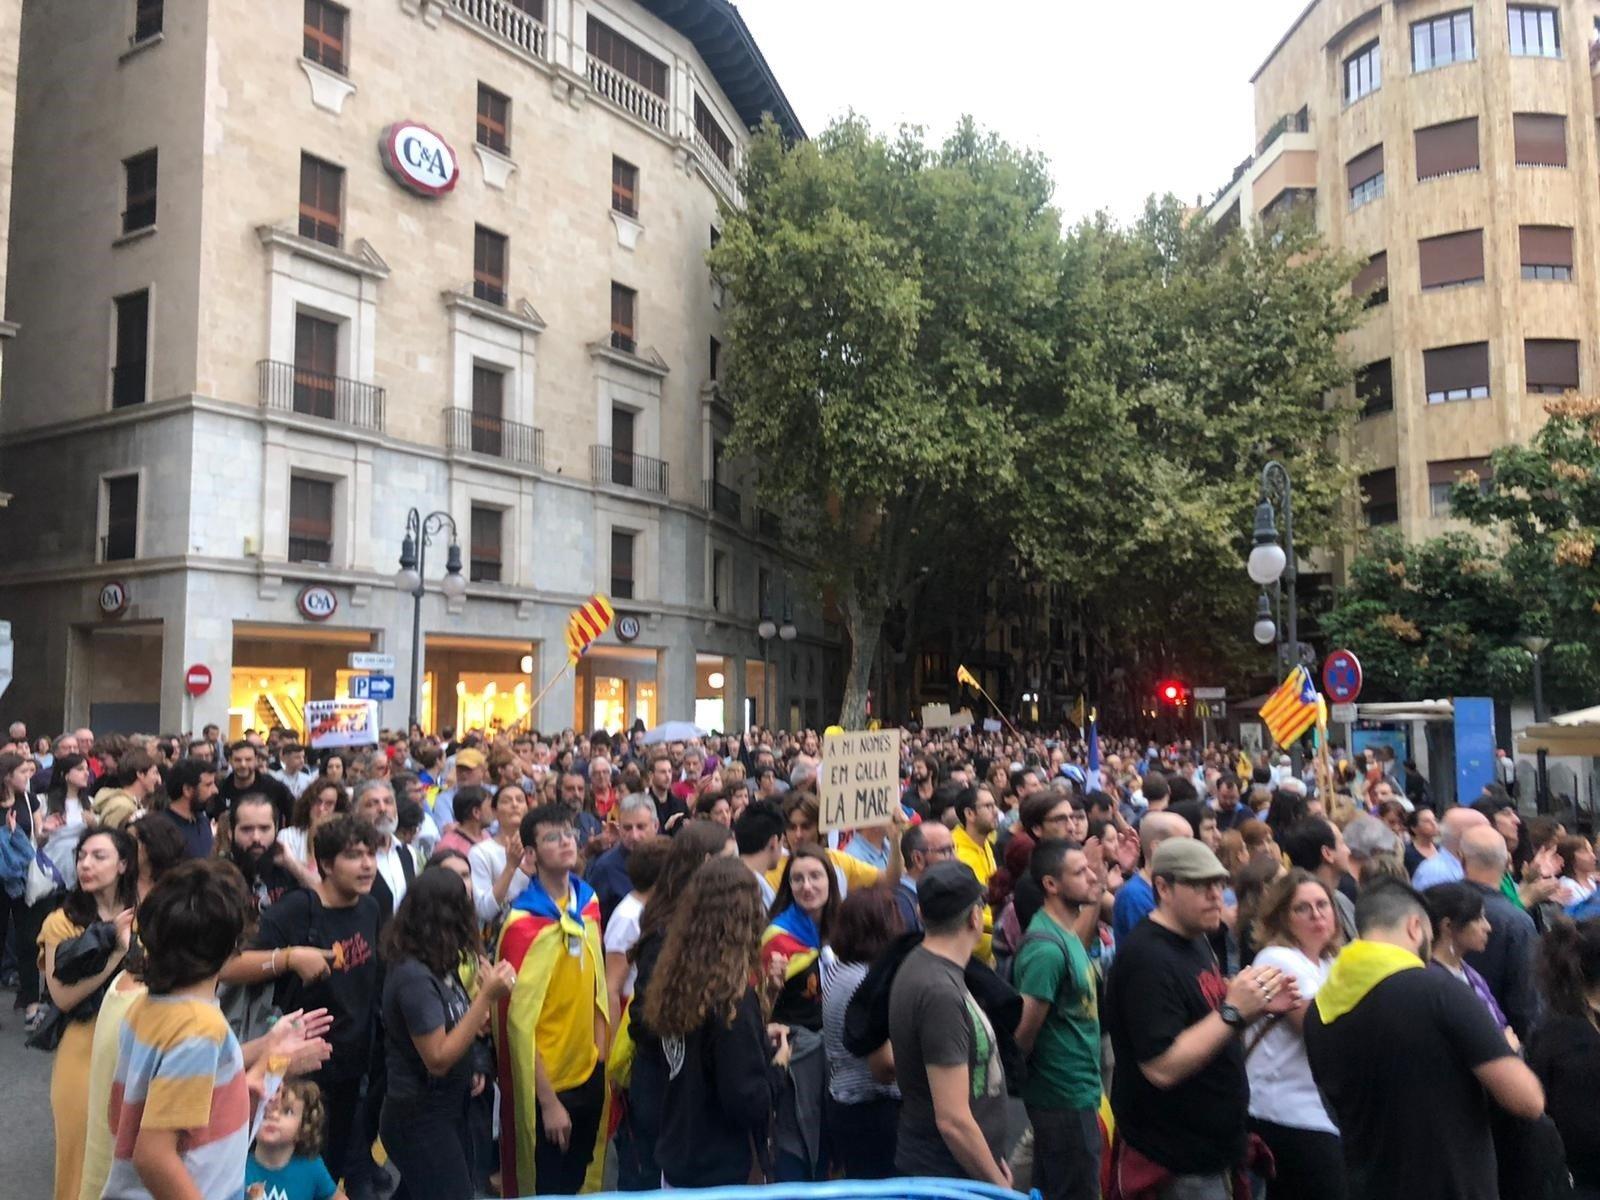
[
  {"x": 321, "y": 800},
  {"x": 721, "y": 1080},
  {"x": 429, "y": 1026}
]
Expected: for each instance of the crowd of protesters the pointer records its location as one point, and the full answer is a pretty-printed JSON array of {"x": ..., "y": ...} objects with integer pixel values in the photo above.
[{"x": 514, "y": 965}]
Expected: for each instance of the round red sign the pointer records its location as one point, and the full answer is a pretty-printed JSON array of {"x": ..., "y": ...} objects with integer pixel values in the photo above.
[{"x": 197, "y": 679}]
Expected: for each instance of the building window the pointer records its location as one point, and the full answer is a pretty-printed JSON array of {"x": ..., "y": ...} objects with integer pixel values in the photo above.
[
  {"x": 1442, "y": 40},
  {"x": 1456, "y": 372},
  {"x": 1443, "y": 477},
  {"x": 310, "y": 520},
  {"x": 624, "y": 187},
  {"x": 1281, "y": 206},
  {"x": 321, "y": 201},
  {"x": 534, "y": 8},
  {"x": 139, "y": 204},
  {"x": 1364, "y": 176},
  {"x": 617, "y": 52},
  {"x": 1541, "y": 139},
  {"x": 1535, "y": 32},
  {"x": 1375, "y": 388},
  {"x": 1363, "y": 73},
  {"x": 936, "y": 670},
  {"x": 719, "y": 581},
  {"x": 714, "y": 360},
  {"x": 316, "y": 365},
  {"x": 488, "y": 409},
  {"x": 146, "y": 19},
  {"x": 621, "y": 564},
  {"x": 1552, "y": 365},
  {"x": 624, "y": 303},
  {"x": 622, "y": 444},
  {"x": 494, "y": 120},
  {"x": 488, "y": 265},
  {"x": 1451, "y": 260},
  {"x": 1380, "y": 502},
  {"x": 486, "y": 524},
  {"x": 1447, "y": 149},
  {"x": 1546, "y": 252},
  {"x": 710, "y": 129},
  {"x": 121, "y": 498},
  {"x": 128, "y": 371},
  {"x": 1372, "y": 281},
  {"x": 325, "y": 34}
]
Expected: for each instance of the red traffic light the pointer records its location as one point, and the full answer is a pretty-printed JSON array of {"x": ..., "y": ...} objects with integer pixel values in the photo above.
[{"x": 1172, "y": 691}]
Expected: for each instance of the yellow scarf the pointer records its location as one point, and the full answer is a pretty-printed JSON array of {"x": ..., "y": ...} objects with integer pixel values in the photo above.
[{"x": 1360, "y": 967}]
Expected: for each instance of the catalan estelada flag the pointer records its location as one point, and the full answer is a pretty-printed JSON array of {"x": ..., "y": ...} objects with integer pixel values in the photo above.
[
  {"x": 1292, "y": 708},
  {"x": 967, "y": 677},
  {"x": 587, "y": 622},
  {"x": 793, "y": 935}
]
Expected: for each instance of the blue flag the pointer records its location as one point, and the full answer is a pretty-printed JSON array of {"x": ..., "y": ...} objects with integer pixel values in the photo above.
[{"x": 1094, "y": 744}]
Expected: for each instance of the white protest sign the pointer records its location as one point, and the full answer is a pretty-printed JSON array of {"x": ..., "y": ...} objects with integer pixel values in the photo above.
[
  {"x": 859, "y": 782},
  {"x": 332, "y": 723},
  {"x": 939, "y": 716}
]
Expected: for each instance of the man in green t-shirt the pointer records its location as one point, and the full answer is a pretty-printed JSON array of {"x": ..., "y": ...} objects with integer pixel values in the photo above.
[{"x": 1060, "y": 1028}]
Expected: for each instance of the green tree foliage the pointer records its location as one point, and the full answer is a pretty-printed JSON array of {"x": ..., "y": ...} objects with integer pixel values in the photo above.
[{"x": 930, "y": 369}]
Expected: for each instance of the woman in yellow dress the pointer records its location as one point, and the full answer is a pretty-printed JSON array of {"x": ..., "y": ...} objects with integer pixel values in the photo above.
[{"x": 108, "y": 875}]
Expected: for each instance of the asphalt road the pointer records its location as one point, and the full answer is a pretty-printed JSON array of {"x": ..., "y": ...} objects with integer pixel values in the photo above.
[{"x": 27, "y": 1160}]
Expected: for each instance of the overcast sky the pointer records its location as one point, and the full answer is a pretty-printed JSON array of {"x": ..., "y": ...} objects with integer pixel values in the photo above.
[{"x": 1125, "y": 99}]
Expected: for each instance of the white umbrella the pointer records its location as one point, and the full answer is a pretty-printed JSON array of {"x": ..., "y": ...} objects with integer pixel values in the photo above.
[{"x": 674, "y": 731}]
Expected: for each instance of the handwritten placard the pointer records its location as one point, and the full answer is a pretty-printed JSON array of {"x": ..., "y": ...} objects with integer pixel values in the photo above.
[{"x": 859, "y": 783}]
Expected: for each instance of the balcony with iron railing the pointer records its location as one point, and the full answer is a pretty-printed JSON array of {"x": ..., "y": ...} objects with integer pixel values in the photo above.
[
  {"x": 479, "y": 433},
  {"x": 505, "y": 21},
  {"x": 626, "y": 94},
  {"x": 285, "y": 387},
  {"x": 723, "y": 175},
  {"x": 624, "y": 468},
  {"x": 723, "y": 500}
]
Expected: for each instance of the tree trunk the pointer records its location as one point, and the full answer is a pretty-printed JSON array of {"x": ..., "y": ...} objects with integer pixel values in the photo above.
[{"x": 864, "y": 623}]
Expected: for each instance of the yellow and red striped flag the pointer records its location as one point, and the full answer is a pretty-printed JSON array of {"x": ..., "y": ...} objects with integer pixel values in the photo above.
[
  {"x": 1292, "y": 708},
  {"x": 967, "y": 677},
  {"x": 587, "y": 622}
]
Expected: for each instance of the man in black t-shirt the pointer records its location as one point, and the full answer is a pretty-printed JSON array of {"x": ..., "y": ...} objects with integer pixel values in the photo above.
[
  {"x": 1404, "y": 1057},
  {"x": 1178, "y": 1089},
  {"x": 247, "y": 777},
  {"x": 254, "y": 848}
]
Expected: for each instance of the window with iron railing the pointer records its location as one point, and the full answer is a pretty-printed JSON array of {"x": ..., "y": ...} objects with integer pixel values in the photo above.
[
  {"x": 486, "y": 529},
  {"x": 120, "y": 495},
  {"x": 321, "y": 201},
  {"x": 310, "y": 520},
  {"x": 488, "y": 409},
  {"x": 316, "y": 365},
  {"x": 325, "y": 26},
  {"x": 709, "y": 128},
  {"x": 139, "y": 206},
  {"x": 489, "y": 265},
  {"x": 129, "y": 370},
  {"x": 622, "y": 55},
  {"x": 624, "y": 187},
  {"x": 494, "y": 119},
  {"x": 624, "y": 305}
]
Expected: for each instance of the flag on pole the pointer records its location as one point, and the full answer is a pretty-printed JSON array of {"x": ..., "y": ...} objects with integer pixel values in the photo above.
[
  {"x": 1094, "y": 746},
  {"x": 1292, "y": 708},
  {"x": 587, "y": 622},
  {"x": 967, "y": 677},
  {"x": 1078, "y": 713}
]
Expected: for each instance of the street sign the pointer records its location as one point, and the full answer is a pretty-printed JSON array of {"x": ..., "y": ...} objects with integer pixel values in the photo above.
[
  {"x": 197, "y": 679},
  {"x": 1211, "y": 710},
  {"x": 365, "y": 660},
  {"x": 1210, "y": 693},
  {"x": 1342, "y": 714},
  {"x": 372, "y": 687},
  {"x": 1341, "y": 676}
]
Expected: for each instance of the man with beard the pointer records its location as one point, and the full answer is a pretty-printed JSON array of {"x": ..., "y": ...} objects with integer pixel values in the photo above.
[
  {"x": 254, "y": 848},
  {"x": 374, "y": 803},
  {"x": 247, "y": 777}
]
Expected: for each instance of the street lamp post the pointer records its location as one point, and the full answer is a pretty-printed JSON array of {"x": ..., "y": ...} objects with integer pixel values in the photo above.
[
  {"x": 1270, "y": 561},
  {"x": 766, "y": 631},
  {"x": 1536, "y": 646},
  {"x": 411, "y": 577}
]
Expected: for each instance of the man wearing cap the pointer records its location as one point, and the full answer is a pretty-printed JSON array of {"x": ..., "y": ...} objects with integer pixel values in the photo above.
[
  {"x": 471, "y": 769},
  {"x": 1178, "y": 1089},
  {"x": 947, "y": 1062}
]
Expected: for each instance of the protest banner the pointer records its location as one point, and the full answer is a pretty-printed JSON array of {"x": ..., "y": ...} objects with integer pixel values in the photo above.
[
  {"x": 859, "y": 782},
  {"x": 331, "y": 723}
]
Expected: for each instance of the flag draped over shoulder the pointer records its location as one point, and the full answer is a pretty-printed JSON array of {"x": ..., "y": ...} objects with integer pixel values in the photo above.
[
  {"x": 538, "y": 935},
  {"x": 1292, "y": 708},
  {"x": 794, "y": 935},
  {"x": 587, "y": 622}
]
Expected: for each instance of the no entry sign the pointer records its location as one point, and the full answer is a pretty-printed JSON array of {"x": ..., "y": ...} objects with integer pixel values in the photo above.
[{"x": 197, "y": 679}]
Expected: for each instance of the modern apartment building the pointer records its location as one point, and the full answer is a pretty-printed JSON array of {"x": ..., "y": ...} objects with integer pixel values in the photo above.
[
  {"x": 290, "y": 271},
  {"x": 1451, "y": 147}
]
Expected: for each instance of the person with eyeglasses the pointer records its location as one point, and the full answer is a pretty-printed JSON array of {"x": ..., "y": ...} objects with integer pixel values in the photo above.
[
  {"x": 553, "y": 1036},
  {"x": 921, "y": 846},
  {"x": 1298, "y": 932}
]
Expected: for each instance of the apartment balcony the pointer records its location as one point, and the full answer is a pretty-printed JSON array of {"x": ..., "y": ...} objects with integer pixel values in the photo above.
[
  {"x": 472, "y": 432},
  {"x": 628, "y": 95},
  {"x": 285, "y": 387},
  {"x": 723, "y": 176},
  {"x": 723, "y": 500},
  {"x": 624, "y": 468},
  {"x": 506, "y": 22}
]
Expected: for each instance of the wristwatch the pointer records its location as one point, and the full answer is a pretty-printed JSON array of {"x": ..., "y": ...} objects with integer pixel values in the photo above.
[{"x": 1231, "y": 1016}]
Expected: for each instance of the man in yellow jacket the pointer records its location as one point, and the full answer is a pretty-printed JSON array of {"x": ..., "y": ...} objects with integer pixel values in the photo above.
[{"x": 977, "y": 817}]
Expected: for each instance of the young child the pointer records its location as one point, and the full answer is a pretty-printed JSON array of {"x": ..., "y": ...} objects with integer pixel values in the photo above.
[{"x": 287, "y": 1162}]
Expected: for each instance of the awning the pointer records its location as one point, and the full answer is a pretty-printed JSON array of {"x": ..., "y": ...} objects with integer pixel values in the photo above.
[{"x": 1574, "y": 734}]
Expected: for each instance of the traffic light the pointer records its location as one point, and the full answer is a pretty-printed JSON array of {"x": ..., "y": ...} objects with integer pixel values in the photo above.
[{"x": 1172, "y": 692}]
